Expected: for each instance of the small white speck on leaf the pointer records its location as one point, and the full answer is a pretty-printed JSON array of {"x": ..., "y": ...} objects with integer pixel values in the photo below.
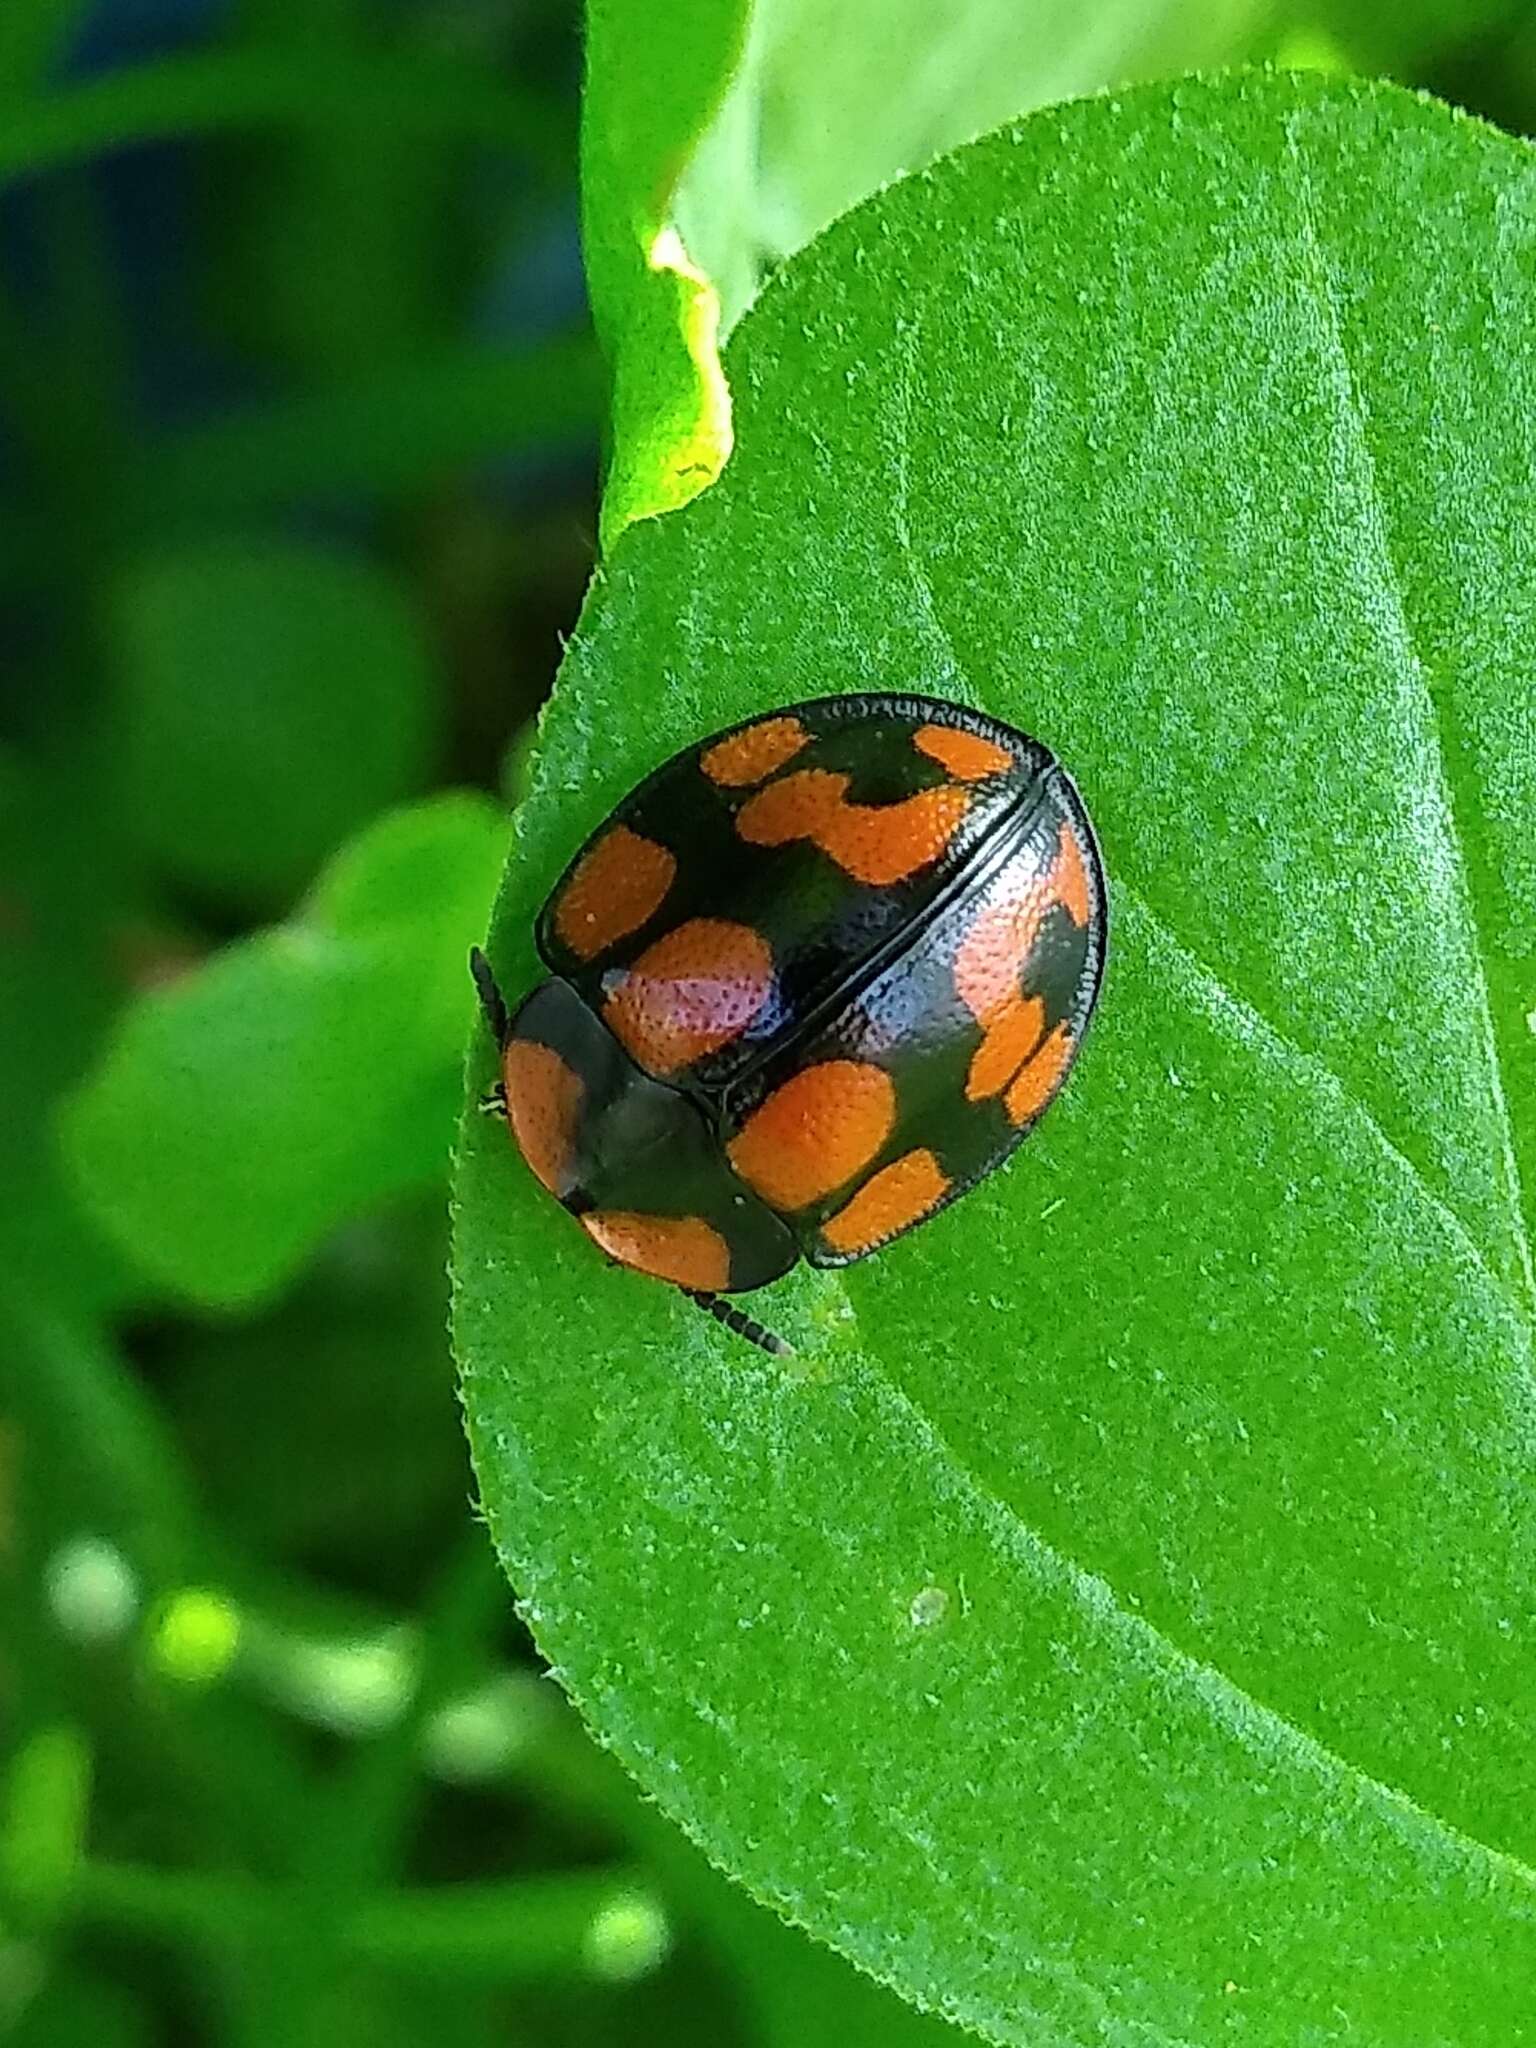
[{"x": 928, "y": 1606}]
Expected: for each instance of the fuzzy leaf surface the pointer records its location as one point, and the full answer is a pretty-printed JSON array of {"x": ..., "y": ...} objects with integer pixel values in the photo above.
[{"x": 1115, "y": 1624}]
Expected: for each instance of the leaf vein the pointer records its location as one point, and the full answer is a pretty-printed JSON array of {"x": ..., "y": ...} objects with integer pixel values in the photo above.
[
  {"x": 928, "y": 604},
  {"x": 1236, "y": 1706},
  {"x": 1355, "y": 412},
  {"x": 1291, "y": 1053},
  {"x": 1234, "y": 1703}
]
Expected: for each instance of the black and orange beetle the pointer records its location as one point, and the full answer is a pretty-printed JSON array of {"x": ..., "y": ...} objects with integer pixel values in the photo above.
[{"x": 811, "y": 981}]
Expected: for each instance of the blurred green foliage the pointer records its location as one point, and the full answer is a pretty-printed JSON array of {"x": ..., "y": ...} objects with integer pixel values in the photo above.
[
  {"x": 300, "y": 415},
  {"x": 245, "y": 662},
  {"x": 302, "y": 1074}
]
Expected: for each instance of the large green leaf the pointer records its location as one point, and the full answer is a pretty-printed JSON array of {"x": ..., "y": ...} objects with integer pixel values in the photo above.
[{"x": 1115, "y": 1625}]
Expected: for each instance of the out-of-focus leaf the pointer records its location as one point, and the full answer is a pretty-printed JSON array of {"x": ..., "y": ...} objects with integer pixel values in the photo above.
[
  {"x": 850, "y": 96},
  {"x": 1312, "y": 49},
  {"x": 1394, "y": 35},
  {"x": 1115, "y": 1624},
  {"x": 326, "y": 1429},
  {"x": 653, "y": 84},
  {"x": 395, "y": 431},
  {"x": 44, "y": 1800},
  {"x": 832, "y": 102},
  {"x": 274, "y": 698},
  {"x": 75, "y": 2006},
  {"x": 72, "y": 935},
  {"x": 301, "y": 1075},
  {"x": 95, "y": 1455},
  {"x": 33, "y": 35}
]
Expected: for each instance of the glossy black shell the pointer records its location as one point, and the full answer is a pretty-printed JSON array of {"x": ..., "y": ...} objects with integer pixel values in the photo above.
[{"x": 873, "y": 971}]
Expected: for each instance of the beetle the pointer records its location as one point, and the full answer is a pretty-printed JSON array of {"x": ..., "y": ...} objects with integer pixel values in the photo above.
[{"x": 810, "y": 981}]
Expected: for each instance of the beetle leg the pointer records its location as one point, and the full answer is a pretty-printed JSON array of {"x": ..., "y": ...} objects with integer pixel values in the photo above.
[{"x": 492, "y": 1001}]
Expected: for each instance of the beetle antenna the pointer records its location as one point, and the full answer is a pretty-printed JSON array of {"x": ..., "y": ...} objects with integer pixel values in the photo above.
[
  {"x": 491, "y": 999},
  {"x": 744, "y": 1325}
]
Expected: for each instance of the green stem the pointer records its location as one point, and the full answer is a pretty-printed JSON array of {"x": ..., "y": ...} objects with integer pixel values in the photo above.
[
  {"x": 91, "y": 1434},
  {"x": 99, "y": 1436},
  {"x": 524, "y": 1930},
  {"x": 514, "y": 1932},
  {"x": 355, "y": 1836},
  {"x": 388, "y": 431},
  {"x": 187, "y": 1909},
  {"x": 219, "y": 92}
]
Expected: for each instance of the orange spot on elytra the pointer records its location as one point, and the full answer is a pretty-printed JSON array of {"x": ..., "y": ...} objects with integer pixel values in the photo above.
[
  {"x": 882, "y": 843},
  {"x": 815, "y": 1132},
  {"x": 1012, "y": 1035},
  {"x": 543, "y": 1104},
  {"x": 797, "y": 806},
  {"x": 899, "y": 1195},
  {"x": 1071, "y": 877},
  {"x": 965, "y": 755},
  {"x": 750, "y": 756},
  {"x": 683, "y": 1249},
  {"x": 1039, "y": 1080},
  {"x": 1012, "y": 1060},
  {"x": 693, "y": 991},
  {"x": 617, "y": 885},
  {"x": 990, "y": 960},
  {"x": 875, "y": 843}
]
